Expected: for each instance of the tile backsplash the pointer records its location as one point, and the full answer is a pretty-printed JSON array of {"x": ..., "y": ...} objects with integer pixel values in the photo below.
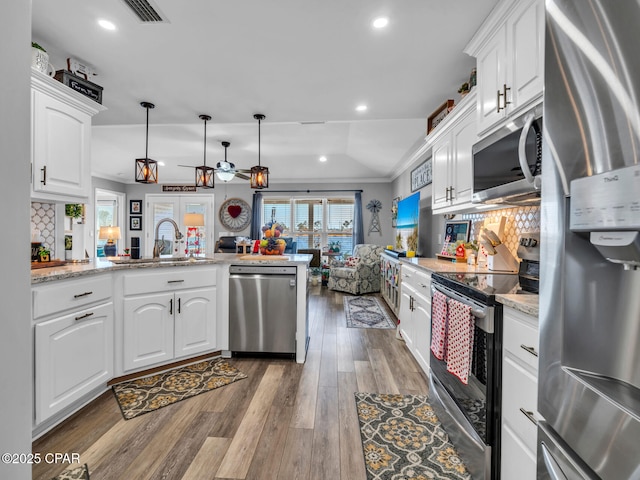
[
  {"x": 43, "y": 218},
  {"x": 519, "y": 220}
]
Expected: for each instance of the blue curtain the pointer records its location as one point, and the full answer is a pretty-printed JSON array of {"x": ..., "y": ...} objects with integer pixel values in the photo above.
[
  {"x": 255, "y": 220},
  {"x": 358, "y": 229}
]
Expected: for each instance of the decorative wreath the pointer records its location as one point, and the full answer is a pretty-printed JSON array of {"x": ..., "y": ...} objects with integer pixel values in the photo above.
[{"x": 374, "y": 206}]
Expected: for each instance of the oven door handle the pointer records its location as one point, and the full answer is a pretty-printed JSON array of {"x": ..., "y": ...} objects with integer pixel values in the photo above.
[
  {"x": 475, "y": 311},
  {"x": 483, "y": 318}
]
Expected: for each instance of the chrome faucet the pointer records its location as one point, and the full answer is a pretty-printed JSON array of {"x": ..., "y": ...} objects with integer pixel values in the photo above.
[{"x": 158, "y": 243}]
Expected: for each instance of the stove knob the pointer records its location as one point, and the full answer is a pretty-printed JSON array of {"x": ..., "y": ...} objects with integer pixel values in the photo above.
[
  {"x": 523, "y": 241},
  {"x": 533, "y": 242}
]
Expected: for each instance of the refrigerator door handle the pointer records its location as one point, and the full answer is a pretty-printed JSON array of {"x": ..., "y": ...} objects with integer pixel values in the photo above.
[{"x": 552, "y": 464}]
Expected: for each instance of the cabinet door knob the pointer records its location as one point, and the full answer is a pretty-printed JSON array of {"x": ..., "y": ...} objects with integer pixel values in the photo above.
[
  {"x": 175, "y": 281},
  {"x": 44, "y": 175},
  {"x": 171, "y": 306},
  {"x": 179, "y": 305}
]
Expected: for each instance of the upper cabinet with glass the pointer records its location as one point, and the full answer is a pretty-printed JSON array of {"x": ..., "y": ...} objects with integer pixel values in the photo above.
[
  {"x": 509, "y": 51},
  {"x": 61, "y": 141}
]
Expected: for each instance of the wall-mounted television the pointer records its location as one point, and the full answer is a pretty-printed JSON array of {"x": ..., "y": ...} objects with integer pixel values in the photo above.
[{"x": 407, "y": 223}]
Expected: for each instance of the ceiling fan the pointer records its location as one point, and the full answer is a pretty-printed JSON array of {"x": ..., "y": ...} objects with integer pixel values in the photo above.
[{"x": 224, "y": 170}]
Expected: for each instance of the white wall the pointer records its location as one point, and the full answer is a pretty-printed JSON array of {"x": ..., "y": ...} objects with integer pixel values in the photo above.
[{"x": 16, "y": 375}]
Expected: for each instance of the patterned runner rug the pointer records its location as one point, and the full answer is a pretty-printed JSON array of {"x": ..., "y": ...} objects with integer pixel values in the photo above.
[
  {"x": 403, "y": 439},
  {"x": 77, "y": 473},
  {"x": 147, "y": 394},
  {"x": 366, "y": 312}
]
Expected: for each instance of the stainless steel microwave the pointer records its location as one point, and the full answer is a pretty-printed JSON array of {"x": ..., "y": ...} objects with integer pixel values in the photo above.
[{"x": 507, "y": 164}]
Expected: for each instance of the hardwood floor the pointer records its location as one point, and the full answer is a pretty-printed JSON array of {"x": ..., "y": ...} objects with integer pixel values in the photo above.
[{"x": 285, "y": 421}]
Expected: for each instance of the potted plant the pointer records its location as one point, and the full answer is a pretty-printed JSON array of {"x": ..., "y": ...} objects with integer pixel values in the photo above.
[
  {"x": 39, "y": 58},
  {"x": 43, "y": 254},
  {"x": 464, "y": 89}
]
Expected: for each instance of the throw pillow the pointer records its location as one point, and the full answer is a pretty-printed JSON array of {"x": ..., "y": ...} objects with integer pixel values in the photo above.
[{"x": 352, "y": 262}]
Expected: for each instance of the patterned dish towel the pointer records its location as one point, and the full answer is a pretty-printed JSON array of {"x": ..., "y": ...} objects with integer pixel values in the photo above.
[
  {"x": 459, "y": 340},
  {"x": 439, "y": 325}
]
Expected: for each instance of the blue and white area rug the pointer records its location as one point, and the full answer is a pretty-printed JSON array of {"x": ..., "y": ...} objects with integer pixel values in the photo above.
[
  {"x": 403, "y": 439},
  {"x": 366, "y": 312}
]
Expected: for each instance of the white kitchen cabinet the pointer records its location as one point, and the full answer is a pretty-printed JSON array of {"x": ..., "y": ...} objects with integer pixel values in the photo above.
[
  {"x": 168, "y": 316},
  {"x": 61, "y": 141},
  {"x": 519, "y": 395},
  {"x": 509, "y": 51},
  {"x": 148, "y": 330},
  {"x": 194, "y": 331},
  {"x": 415, "y": 313},
  {"x": 452, "y": 159},
  {"x": 73, "y": 328}
]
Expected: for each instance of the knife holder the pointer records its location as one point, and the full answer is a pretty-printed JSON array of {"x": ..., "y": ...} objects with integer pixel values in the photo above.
[{"x": 502, "y": 260}]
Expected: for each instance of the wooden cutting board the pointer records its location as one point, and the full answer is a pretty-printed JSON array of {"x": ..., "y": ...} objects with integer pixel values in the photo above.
[
  {"x": 50, "y": 263},
  {"x": 264, "y": 257}
]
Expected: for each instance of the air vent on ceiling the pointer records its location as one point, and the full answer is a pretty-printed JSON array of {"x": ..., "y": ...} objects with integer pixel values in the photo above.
[{"x": 145, "y": 11}]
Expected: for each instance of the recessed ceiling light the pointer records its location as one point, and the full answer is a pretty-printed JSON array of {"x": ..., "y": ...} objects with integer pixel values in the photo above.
[
  {"x": 361, "y": 108},
  {"x": 323, "y": 158},
  {"x": 106, "y": 24},
  {"x": 380, "y": 22},
  {"x": 161, "y": 164}
]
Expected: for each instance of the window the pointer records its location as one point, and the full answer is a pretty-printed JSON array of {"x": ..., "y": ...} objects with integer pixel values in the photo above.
[
  {"x": 108, "y": 212},
  {"x": 313, "y": 222},
  {"x": 196, "y": 240}
]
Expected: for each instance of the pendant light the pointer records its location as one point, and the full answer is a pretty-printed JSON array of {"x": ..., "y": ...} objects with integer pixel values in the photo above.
[
  {"x": 259, "y": 174},
  {"x": 146, "y": 169},
  {"x": 225, "y": 170},
  {"x": 204, "y": 174}
]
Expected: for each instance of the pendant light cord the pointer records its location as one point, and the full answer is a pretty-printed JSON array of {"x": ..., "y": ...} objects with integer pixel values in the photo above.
[
  {"x": 259, "y": 164},
  {"x": 205, "y": 142},
  {"x": 146, "y": 147}
]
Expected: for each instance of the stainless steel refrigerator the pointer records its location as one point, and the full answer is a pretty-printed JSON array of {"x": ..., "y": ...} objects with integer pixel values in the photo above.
[{"x": 589, "y": 385}]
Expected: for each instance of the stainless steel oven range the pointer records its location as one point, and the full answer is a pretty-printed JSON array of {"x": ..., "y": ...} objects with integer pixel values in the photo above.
[{"x": 468, "y": 405}]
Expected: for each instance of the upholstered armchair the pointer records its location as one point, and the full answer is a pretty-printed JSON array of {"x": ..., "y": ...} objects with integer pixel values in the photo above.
[{"x": 361, "y": 276}]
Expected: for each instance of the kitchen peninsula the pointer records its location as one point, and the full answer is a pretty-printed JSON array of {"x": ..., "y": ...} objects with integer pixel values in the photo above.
[{"x": 124, "y": 317}]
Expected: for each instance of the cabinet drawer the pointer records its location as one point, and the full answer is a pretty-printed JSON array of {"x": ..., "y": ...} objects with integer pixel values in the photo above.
[
  {"x": 521, "y": 337},
  {"x": 519, "y": 391},
  {"x": 168, "y": 279},
  {"x": 70, "y": 294},
  {"x": 419, "y": 280}
]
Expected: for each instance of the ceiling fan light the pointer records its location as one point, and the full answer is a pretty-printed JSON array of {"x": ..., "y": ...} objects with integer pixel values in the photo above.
[
  {"x": 259, "y": 177},
  {"x": 223, "y": 174},
  {"x": 146, "y": 170},
  {"x": 205, "y": 177}
]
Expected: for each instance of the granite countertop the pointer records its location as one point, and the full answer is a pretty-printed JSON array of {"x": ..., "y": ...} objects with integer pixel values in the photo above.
[
  {"x": 98, "y": 266},
  {"x": 437, "y": 265},
  {"x": 524, "y": 303}
]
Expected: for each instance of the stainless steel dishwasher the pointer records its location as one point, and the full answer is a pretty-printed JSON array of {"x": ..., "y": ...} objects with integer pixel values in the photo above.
[{"x": 262, "y": 309}]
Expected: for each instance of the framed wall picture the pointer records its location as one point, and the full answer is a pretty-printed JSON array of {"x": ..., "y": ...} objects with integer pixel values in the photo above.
[
  {"x": 135, "y": 207},
  {"x": 421, "y": 176},
  {"x": 135, "y": 223}
]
